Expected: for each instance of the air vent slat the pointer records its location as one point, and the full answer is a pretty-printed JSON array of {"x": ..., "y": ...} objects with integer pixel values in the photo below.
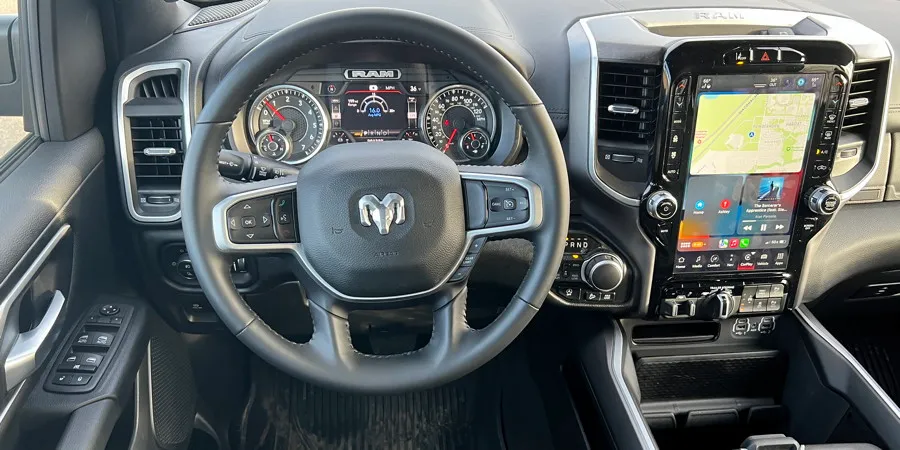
[
  {"x": 160, "y": 86},
  {"x": 630, "y": 86},
  {"x": 157, "y": 172},
  {"x": 863, "y": 88}
]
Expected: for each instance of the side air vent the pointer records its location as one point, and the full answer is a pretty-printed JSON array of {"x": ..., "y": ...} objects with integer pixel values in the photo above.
[
  {"x": 157, "y": 146},
  {"x": 628, "y": 99},
  {"x": 210, "y": 15},
  {"x": 153, "y": 132},
  {"x": 863, "y": 89},
  {"x": 161, "y": 86}
]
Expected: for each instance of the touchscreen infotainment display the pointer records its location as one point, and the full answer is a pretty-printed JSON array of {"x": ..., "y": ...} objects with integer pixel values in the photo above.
[{"x": 746, "y": 158}]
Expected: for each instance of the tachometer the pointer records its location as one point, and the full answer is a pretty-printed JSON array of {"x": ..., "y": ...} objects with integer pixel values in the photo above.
[
  {"x": 293, "y": 113},
  {"x": 453, "y": 112}
]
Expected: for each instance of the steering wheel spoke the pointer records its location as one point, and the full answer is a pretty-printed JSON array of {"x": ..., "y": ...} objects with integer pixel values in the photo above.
[{"x": 258, "y": 217}]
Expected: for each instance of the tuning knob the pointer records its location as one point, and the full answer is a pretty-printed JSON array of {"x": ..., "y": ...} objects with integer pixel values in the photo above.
[
  {"x": 662, "y": 205},
  {"x": 603, "y": 271},
  {"x": 824, "y": 200},
  {"x": 716, "y": 305}
]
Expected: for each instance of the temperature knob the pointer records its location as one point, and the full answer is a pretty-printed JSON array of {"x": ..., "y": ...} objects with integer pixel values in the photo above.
[
  {"x": 662, "y": 205},
  {"x": 824, "y": 200},
  {"x": 603, "y": 271}
]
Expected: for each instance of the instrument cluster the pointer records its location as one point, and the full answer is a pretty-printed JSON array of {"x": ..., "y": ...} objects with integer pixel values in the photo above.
[{"x": 313, "y": 109}]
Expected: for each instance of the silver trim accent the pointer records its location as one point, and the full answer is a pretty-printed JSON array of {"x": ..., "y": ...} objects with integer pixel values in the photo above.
[
  {"x": 10, "y": 401},
  {"x": 30, "y": 348},
  {"x": 126, "y": 85},
  {"x": 395, "y": 74},
  {"x": 620, "y": 108},
  {"x": 253, "y": 115},
  {"x": 592, "y": 124},
  {"x": 224, "y": 243},
  {"x": 487, "y": 101},
  {"x": 615, "y": 368},
  {"x": 382, "y": 212},
  {"x": 159, "y": 151},
  {"x": 805, "y": 316},
  {"x": 857, "y": 102}
]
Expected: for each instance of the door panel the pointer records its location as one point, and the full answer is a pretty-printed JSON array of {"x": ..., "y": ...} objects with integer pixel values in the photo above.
[
  {"x": 10, "y": 83},
  {"x": 54, "y": 257}
]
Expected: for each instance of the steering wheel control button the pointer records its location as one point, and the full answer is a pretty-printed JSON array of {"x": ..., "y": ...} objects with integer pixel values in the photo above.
[
  {"x": 284, "y": 211},
  {"x": 244, "y": 220},
  {"x": 824, "y": 201},
  {"x": 248, "y": 222},
  {"x": 662, "y": 205},
  {"x": 109, "y": 310},
  {"x": 509, "y": 204},
  {"x": 477, "y": 245},
  {"x": 460, "y": 273}
]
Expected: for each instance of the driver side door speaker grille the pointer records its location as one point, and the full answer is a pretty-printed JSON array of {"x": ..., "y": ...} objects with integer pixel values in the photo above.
[{"x": 628, "y": 104}]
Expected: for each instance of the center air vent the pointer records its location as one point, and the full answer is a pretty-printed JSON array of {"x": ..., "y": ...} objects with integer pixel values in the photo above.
[
  {"x": 628, "y": 99},
  {"x": 861, "y": 105},
  {"x": 153, "y": 132}
]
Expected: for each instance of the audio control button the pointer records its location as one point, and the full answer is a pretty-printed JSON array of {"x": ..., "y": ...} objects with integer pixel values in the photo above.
[
  {"x": 824, "y": 201},
  {"x": 662, "y": 205}
]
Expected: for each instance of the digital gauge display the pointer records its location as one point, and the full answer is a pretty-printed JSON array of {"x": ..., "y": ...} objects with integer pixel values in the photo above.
[{"x": 373, "y": 112}]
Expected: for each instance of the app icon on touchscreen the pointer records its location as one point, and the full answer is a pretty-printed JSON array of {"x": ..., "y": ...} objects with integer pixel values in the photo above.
[{"x": 770, "y": 189}]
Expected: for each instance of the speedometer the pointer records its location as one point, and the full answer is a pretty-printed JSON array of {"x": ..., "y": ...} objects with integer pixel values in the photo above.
[
  {"x": 291, "y": 112},
  {"x": 456, "y": 111}
]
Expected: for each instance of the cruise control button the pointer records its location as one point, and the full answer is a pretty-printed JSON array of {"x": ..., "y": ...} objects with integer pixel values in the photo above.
[
  {"x": 509, "y": 204},
  {"x": 496, "y": 204}
]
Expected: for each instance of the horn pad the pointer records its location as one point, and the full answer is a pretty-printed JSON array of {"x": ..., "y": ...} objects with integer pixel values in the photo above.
[{"x": 381, "y": 219}]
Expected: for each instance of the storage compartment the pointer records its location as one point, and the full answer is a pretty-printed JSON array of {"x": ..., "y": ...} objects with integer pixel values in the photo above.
[{"x": 674, "y": 333}]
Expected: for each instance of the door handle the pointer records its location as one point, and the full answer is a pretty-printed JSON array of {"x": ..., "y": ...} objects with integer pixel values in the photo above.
[{"x": 32, "y": 347}]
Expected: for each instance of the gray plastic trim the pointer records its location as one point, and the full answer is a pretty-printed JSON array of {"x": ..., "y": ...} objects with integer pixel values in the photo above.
[
  {"x": 815, "y": 326},
  {"x": 224, "y": 243},
  {"x": 615, "y": 367},
  {"x": 125, "y": 88}
]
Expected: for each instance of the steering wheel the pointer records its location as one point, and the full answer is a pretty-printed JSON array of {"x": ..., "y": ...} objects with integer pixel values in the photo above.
[{"x": 376, "y": 225}]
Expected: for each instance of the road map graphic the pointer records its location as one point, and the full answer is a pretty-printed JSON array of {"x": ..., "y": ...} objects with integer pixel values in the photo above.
[{"x": 751, "y": 133}]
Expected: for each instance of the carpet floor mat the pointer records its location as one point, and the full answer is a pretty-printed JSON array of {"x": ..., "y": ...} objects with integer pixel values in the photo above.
[{"x": 283, "y": 413}]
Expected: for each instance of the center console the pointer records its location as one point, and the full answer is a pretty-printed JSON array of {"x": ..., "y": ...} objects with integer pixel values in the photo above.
[{"x": 742, "y": 182}]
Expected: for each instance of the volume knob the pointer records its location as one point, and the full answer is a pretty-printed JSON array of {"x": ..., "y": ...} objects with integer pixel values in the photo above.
[
  {"x": 603, "y": 271},
  {"x": 824, "y": 200},
  {"x": 662, "y": 205}
]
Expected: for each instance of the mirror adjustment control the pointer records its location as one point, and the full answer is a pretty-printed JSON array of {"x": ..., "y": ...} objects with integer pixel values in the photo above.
[
  {"x": 824, "y": 201},
  {"x": 662, "y": 205}
]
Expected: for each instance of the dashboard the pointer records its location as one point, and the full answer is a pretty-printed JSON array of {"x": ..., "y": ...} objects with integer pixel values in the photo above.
[
  {"x": 298, "y": 113},
  {"x": 709, "y": 148}
]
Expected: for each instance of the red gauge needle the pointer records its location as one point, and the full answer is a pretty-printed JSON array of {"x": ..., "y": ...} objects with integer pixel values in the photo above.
[
  {"x": 271, "y": 138},
  {"x": 450, "y": 139},
  {"x": 272, "y": 108}
]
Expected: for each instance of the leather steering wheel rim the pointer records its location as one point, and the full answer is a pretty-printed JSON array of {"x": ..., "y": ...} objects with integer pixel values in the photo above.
[{"x": 329, "y": 358}]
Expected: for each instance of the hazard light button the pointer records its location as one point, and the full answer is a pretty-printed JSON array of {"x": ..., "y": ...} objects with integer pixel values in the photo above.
[{"x": 766, "y": 55}]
